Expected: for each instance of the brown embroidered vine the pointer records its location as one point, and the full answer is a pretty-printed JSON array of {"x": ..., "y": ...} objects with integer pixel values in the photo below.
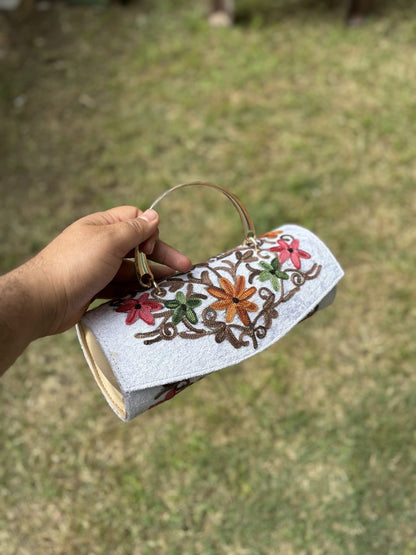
[{"x": 186, "y": 317}]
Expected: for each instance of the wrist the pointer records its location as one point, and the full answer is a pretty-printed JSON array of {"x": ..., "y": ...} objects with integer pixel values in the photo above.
[{"x": 23, "y": 317}]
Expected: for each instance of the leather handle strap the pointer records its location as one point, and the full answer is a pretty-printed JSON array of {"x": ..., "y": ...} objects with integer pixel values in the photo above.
[{"x": 143, "y": 271}]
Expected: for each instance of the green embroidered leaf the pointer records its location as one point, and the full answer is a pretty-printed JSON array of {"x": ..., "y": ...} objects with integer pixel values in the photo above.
[
  {"x": 180, "y": 297},
  {"x": 281, "y": 275},
  {"x": 178, "y": 315},
  {"x": 183, "y": 308},
  {"x": 172, "y": 304},
  {"x": 275, "y": 264},
  {"x": 275, "y": 282},
  {"x": 264, "y": 276},
  {"x": 193, "y": 303},
  {"x": 266, "y": 266},
  {"x": 191, "y": 316}
]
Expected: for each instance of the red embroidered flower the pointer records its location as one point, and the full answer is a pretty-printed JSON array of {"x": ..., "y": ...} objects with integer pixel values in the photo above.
[
  {"x": 291, "y": 251},
  {"x": 139, "y": 309},
  {"x": 234, "y": 299}
]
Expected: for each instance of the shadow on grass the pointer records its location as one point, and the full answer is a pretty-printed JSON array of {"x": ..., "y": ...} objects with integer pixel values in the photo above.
[{"x": 267, "y": 12}]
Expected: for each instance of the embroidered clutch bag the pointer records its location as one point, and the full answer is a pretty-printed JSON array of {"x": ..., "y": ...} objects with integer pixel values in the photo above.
[{"x": 145, "y": 348}]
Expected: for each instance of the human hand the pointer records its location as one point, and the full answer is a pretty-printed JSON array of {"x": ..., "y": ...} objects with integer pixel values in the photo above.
[
  {"x": 87, "y": 261},
  {"x": 50, "y": 293}
]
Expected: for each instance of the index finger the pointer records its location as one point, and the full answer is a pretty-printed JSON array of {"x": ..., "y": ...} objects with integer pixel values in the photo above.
[{"x": 167, "y": 255}]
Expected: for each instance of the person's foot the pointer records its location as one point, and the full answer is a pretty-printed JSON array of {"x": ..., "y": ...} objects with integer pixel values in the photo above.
[{"x": 220, "y": 19}]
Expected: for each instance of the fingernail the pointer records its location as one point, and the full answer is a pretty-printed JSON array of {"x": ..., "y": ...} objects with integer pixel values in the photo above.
[{"x": 150, "y": 215}]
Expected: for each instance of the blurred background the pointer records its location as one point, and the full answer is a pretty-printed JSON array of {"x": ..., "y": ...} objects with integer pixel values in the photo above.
[{"x": 307, "y": 113}]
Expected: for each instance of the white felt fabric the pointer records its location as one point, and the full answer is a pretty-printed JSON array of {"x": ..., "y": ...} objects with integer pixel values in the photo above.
[{"x": 141, "y": 369}]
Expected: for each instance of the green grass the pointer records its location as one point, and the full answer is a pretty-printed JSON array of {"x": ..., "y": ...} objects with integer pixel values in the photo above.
[{"x": 308, "y": 448}]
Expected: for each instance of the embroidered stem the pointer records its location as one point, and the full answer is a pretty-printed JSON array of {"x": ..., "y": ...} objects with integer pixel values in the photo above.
[{"x": 234, "y": 301}]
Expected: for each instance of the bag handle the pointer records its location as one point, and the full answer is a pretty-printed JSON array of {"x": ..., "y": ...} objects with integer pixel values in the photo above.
[{"x": 143, "y": 271}]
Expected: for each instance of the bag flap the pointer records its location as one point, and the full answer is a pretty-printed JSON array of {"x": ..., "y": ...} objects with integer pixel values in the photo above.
[{"x": 219, "y": 313}]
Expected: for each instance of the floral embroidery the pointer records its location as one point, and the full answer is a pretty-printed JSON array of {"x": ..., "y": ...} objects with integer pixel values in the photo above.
[
  {"x": 185, "y": 301},
  {"x": 272, "y": 272},
  {"x": 234, "y": 299},
  {"x": 183, "y": 308},
  {"x": 138, "y": 309},
  {"x": 170, "y": 390},
  {"x": 291, "y": 251}
]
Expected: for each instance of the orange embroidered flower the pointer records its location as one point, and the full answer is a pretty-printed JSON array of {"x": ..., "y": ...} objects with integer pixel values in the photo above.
[
  {"x": 271, "y": 234},
  {"x": 234, "y": 299}
]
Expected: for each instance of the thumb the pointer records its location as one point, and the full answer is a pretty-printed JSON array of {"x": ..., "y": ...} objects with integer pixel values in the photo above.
[{"x": 129, "y": 234}]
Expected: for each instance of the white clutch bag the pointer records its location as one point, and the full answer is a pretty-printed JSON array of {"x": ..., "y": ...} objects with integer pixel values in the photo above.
[{"x": 147, "y": 347}]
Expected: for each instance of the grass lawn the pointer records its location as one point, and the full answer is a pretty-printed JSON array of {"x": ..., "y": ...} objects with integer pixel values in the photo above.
[{"x": 308, "y": 448}]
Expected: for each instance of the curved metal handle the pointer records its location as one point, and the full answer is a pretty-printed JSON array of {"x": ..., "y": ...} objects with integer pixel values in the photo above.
[{"x": 143, "y": 271}]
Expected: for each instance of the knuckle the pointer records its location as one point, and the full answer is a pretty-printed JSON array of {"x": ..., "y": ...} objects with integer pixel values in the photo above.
[{"x": 137, "y": 225}]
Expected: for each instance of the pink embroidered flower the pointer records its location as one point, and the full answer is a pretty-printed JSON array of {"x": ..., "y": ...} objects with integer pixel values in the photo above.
[
  {"x": 139, "y": 309},
  {"x": 292, "y": 251}
]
